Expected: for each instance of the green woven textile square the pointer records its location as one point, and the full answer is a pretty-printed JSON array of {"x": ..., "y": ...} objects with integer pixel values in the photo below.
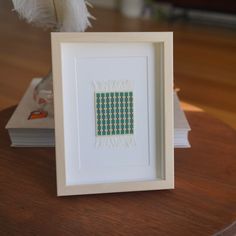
[{"x": 114, "y": 113}]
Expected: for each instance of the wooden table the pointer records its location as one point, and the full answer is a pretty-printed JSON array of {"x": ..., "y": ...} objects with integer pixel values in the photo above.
[{"x": 203, "y": 202}]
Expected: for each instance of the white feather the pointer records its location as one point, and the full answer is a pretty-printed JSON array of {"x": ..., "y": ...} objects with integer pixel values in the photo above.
[
  {"x": 75, "y": 15},
  {"x": 37, "y": 12},
  {"x": 62, "y": 15}
]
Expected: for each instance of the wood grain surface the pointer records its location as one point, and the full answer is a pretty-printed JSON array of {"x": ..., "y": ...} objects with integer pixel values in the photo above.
[
  {"x": 203, "y": 203},
  {"x": 204, "y": 200}
]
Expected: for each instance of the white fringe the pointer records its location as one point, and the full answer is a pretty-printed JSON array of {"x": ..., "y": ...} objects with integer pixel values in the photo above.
[
  {"x": 118, "y": 141},
  {"x": 113, "y": 86}
]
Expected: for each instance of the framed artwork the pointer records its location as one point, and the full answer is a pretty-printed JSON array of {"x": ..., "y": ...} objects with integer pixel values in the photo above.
[{"x": 113, "y": 99}]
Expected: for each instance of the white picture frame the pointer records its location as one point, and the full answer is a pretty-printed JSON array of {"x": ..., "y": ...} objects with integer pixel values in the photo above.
[{"x": 145, "y": 59}]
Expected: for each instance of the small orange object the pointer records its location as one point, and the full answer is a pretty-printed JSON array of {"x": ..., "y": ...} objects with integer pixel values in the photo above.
[{"x": 37, "y": 115}]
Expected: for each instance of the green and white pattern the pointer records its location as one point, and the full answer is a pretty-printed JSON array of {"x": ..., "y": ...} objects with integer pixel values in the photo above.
[{"x": 114, "y": 113}]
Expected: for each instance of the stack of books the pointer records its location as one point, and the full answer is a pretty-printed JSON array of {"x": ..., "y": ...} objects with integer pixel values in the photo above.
[
  {"x": 181, "y": 126},
  {"x": 30, "y": 128}
]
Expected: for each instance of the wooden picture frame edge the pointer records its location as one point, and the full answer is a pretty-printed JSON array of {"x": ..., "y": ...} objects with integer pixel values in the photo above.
[{"x": 168, "y": 182}]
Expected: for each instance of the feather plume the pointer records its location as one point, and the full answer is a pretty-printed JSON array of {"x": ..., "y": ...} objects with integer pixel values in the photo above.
[
  {"x": 37, "y": 12},
  {"x": 74, "y": 15},
  {"x": 62, "y": 15}
]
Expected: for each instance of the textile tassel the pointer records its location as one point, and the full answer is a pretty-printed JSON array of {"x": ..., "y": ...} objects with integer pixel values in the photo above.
[
  {"x": 115, "y": 141},
  {"x": 112, "y": 138}
]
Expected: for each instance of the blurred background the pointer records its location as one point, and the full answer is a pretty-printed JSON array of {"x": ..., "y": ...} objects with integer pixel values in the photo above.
[{"x": 204, "y": 48}]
